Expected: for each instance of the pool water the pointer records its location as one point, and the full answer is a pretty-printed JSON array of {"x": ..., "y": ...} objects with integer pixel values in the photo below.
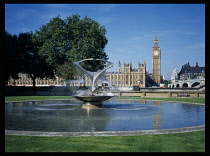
[{"x": 112, "y": 115}]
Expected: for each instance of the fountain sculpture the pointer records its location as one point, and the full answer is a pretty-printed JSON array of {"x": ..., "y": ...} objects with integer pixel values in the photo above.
[
  {"x": 58, "y": 117},
  {"x": 93, "y": 96}
]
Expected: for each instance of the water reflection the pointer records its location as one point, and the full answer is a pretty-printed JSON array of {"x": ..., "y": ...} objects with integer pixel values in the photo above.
[
  {"x": 157, "y": 120},
  {"x": 113, "y": 115}
]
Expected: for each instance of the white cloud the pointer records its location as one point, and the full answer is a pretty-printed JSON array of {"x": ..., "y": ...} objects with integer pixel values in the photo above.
[
  {"x": 173, "y": 32},
  {"x": 104, "y": 20},
  {"x": 134, "y": 38},
  {"x": 196, "y": 46},
  {"x": 57, "y": 6},
  {"x": 189, "y": 33},
  {"x": 107, "y": 7}
]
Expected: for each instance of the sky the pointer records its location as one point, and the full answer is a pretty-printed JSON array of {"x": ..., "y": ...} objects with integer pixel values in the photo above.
[{"x": 131, "y": 30}]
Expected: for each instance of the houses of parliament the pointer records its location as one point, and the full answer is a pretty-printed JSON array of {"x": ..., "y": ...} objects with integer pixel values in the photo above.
[
  {"x": 127, "y": 76},
  {"x": 124, "y": 76}
]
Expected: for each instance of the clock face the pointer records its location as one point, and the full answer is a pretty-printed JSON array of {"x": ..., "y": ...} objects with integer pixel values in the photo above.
[{"x": 156, "y": 53}]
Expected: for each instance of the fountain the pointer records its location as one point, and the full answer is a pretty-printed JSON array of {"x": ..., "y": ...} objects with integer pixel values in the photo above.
[
  {"x": 92, "y": 96},
  {"x": 113, "y": 117}
]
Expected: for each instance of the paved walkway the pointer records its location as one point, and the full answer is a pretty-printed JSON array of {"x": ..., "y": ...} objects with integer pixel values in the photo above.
[{"x": 106, "y": 133}]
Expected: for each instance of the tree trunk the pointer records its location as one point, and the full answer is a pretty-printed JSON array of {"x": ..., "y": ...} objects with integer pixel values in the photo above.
[{"x": 34, "y": 83}]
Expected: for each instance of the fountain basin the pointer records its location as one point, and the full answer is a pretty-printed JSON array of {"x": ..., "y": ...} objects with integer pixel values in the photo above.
[
  {"x": 94, "y": 99},
  {"x": 112, "y": 115}
]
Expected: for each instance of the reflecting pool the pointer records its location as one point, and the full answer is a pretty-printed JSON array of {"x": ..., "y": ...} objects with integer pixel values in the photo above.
[{"x": 112, "y": 115}]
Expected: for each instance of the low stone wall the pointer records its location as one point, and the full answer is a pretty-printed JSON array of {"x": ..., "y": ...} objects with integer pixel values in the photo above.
[
  {"x": 39, "y": 90},
  {"x": 157, "y": 94}
]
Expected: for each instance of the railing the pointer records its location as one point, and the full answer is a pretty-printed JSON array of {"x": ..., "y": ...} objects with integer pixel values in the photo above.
[{"x": 157, "y": 94}]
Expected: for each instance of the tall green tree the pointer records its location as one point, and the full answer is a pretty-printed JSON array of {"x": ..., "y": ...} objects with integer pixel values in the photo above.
[
  {"x": 21, "y": 56},
  {"x": 62, "y": 42},
  {"x": 12, "y": 56},
  {"x": 32, "y": 64}
]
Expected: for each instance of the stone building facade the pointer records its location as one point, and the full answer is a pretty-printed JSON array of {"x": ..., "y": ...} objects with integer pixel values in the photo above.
[
  {"x": 189, "y": 76},
  {"x": 175, "y": 76},
  {"x": 191, "y": 72},
  {"x": 127, "y": 76}
]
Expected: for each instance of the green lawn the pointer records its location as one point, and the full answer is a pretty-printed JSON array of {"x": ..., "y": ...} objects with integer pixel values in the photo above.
[
  {"x": 183, "y": 142},
  {"x": 24, "y": 98},
  {"x": 179, "y": 142},
  {"x": 193, "y": 100}
]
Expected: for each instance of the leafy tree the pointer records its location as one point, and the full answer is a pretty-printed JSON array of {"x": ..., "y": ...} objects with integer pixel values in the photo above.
[
  {"x": 62, "y": 42},
  {"x": 13, "y": 58},
  {"x": 21, "y": 55},
  {"x": 32, "y": 63}
]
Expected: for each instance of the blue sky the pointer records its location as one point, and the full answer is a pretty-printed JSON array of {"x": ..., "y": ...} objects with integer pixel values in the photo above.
[{"x": 131, "y": 29}]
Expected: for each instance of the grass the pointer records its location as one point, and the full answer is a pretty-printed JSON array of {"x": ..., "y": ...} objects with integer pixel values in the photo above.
[
  {"x": 179, "y": 142},
  {"x": 25, "y": 98},
  {"x": 184, "y": 142},
  {"x": 193, "y": 100}
]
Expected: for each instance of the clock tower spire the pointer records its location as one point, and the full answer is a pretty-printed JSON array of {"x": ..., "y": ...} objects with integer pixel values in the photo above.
[
  {"x": 156, "y": 43},
  {"x": 156, "y": 56}
]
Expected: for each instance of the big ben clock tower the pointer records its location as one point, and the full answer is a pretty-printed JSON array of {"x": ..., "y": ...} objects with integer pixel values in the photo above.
[{"x": 156, "y": 55}]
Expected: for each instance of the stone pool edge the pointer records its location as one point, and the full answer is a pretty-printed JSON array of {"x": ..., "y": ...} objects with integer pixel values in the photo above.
[{"x": 106, "y": 133}]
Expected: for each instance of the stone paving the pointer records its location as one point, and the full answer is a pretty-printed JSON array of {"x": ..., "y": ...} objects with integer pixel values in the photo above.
[{"x": 106, "y": 133}]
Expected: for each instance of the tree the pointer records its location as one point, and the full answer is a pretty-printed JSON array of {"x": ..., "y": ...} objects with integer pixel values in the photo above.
[
  {"x": 21, "y": 55},
  {"x": 32, "y": 63},
  {"x": 13, "y": 58},
  {"x": 62, "y": 42}
]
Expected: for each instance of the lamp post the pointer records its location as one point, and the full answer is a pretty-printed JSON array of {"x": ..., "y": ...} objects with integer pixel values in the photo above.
[
  {"x": 202, "y": 77},
  {"x": 139, "y": 84}
]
